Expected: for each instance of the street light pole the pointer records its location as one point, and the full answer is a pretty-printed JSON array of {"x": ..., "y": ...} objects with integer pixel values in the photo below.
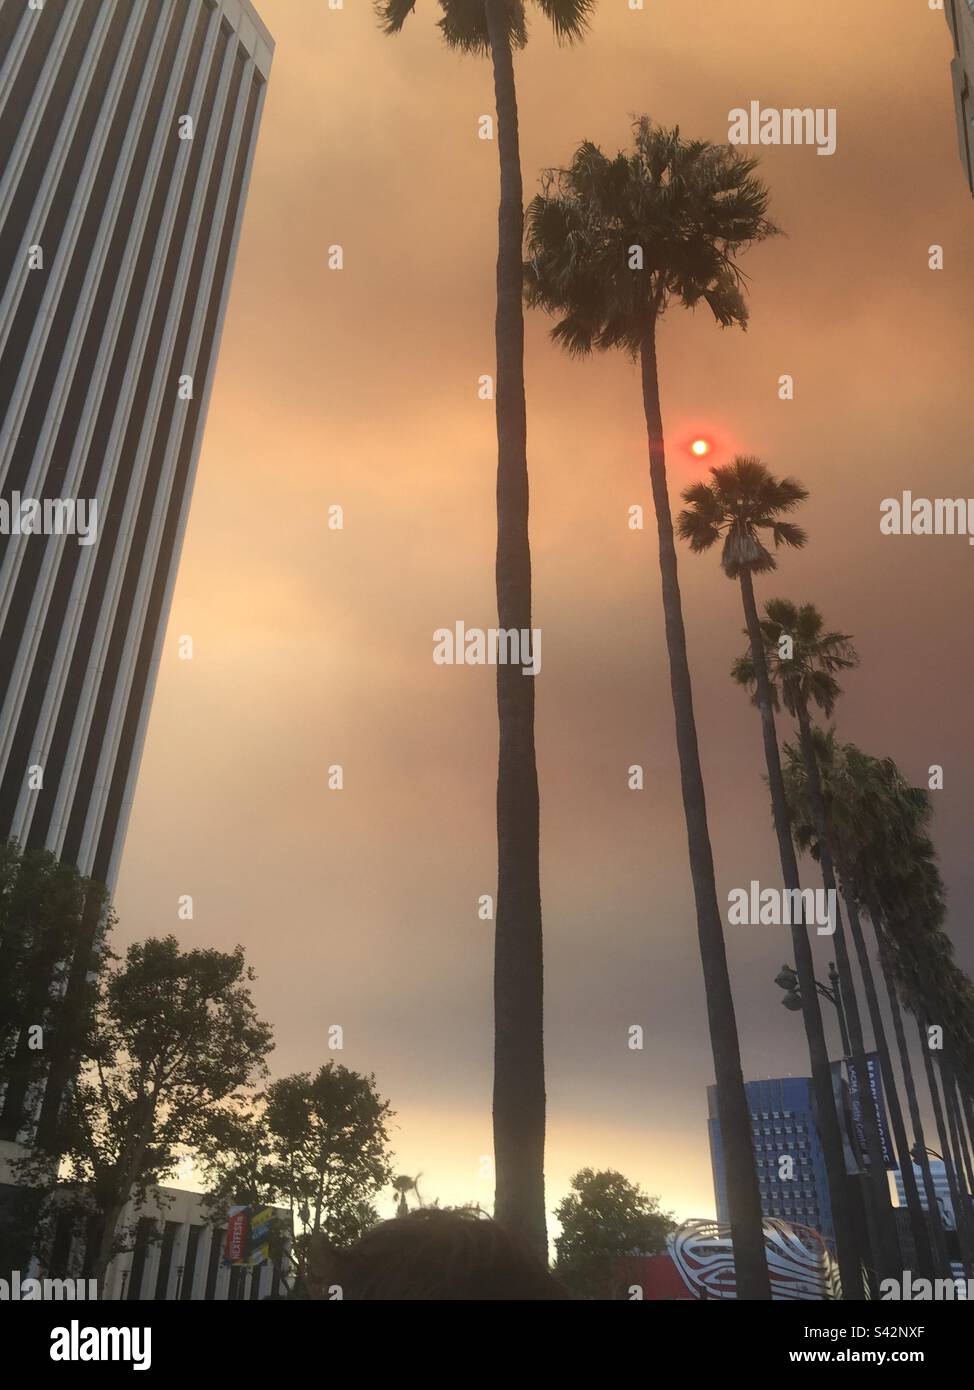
[
  {"x": 836, "y": 996},
  {"x": 787, "y": 980}
]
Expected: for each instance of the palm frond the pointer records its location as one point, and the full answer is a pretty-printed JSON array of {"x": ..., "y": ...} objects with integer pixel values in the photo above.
[
  {"x": 392, "y": 14},
  {"x": 568, "y": 18},
  {"x": 787, "y": 533},
  {"x": 690, "y": 207}
]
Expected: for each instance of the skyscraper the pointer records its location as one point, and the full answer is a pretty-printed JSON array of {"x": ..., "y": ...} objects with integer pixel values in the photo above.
[
  {"x": 788, "y": 1153},
  {"x": 127, "y": 134}
]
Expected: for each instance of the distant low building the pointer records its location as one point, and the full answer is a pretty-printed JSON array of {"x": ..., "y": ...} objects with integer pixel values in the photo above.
[
  {"x": 960, "y": 17},
  {"x": 177, "y": 1249},
  {"x": 948, "y": 1220},
  {"x": 178, "y": 1255},
  {"x": 940, "y": 1186}
]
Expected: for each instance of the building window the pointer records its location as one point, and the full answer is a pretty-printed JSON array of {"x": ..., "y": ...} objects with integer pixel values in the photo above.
[
  {"x": 165, "y": 1259},
  {"x": 217, "y": 1237},
  {"x": 143, "y": 1231},
  {"x": 189, "y": 1268}
]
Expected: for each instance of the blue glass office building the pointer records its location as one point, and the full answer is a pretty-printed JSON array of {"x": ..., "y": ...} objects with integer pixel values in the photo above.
[{"x": 783, "y": 1124}]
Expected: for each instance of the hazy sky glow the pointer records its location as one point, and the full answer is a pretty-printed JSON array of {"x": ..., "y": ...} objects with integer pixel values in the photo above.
[{"x": 315, "y": 647}]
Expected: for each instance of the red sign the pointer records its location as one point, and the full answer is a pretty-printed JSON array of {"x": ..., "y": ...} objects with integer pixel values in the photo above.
[
  {"x": 655, "y": 1275},
  {"x": 236, "y": 1243}
]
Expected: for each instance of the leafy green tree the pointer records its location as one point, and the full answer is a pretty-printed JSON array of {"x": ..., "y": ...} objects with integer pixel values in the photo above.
[
  {"x": 612, "y": 245},
  {"x": 329, "y": 1135},
  {"x": 236, "y": 1155},
  {"x": 51, "y": 921},
  {"x": 173, "y": 1033},
  {"x": 604, "y": 1220},
  {"x": 496, "y": 28}
]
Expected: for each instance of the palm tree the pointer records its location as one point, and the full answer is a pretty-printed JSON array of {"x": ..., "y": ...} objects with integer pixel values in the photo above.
[
  {"x": 950, "y": 1170},
  {"x": 612, "y": 244},
  {"x": 803, "y": 659},
  {"x": 893, "y": 863},
  {"x": 495, "y": 28},
  {"x": 958, "y": 1136},
  {"x": 919, "y": 1151},
  {"x": 898, "y": 884},
  {"x": 742, "y": 500},
  {"x": 402, "y": 1185},
  {"x": 850, "y": 807}
]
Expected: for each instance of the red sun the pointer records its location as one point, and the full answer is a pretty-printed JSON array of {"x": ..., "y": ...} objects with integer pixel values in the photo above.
[{"x": 700, "y": 448}]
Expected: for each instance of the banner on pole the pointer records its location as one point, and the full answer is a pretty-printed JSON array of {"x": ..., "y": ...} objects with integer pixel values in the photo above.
[{"x": 858, "y": 1099}]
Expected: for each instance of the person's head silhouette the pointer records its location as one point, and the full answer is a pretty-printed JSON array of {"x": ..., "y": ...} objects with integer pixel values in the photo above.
[{"x": 432, "y": 1254}]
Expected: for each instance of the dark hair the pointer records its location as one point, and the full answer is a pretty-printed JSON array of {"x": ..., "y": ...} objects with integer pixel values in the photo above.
[{"x": 432, "y": 1254}]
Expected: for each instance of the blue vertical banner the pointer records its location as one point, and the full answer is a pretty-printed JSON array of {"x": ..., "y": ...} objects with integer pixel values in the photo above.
[{"x": 856, "y": 1102}]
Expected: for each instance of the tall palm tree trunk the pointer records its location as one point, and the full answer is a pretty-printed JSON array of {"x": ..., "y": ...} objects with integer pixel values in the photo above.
[
  {"x": 889, "y": 1257},
  {"x": 828, "y": 1121},
  {"x": 962, "y": 1144},
  {"x": 918, "y": 1225},
  {"x": 519, "y": 1086},
  {"x": 743, "y": 1196},
  {"x": 960, "y": 1226},
  {"x": 968, "y": 1113},
  {"x": 962, "y": 1163},
  {"x": 906, "y": 1066}
]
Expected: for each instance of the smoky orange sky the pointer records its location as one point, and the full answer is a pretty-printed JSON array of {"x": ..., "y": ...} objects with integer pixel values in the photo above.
[{"x": 313, "y": 647}]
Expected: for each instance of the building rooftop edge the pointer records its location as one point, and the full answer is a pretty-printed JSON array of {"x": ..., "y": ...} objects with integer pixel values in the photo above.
[{"x": 259, "y": 25}]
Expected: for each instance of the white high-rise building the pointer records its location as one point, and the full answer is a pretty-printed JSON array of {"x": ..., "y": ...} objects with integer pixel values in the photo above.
[
  {"x": 127, "y": 136},
  {"x": 127, "y": 133}
]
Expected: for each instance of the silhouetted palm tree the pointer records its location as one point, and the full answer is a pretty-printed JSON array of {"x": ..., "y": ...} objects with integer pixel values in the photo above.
[
  {"x": 612, "y": 244},
  {"x": 743, "y": 502},
  {"x": 851, "y": 805},
  {"x": 404, "y": 1184},
  {"x": 883, "y": 823},
  {"x": 496, "y": 28}
]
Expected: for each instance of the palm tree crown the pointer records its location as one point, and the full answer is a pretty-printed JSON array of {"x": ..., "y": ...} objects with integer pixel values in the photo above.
[
  {"x": 464, "y": 22},
  {"x": 880, "y": 821},
  {"x": 688, "y": 207},
  {"x": 742, "y": 499},
  {"x": 803, "y": 672}
]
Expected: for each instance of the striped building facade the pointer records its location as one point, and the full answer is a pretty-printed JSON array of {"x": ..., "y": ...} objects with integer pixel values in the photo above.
[
  {"x": 173, "y": 1251},
  {"x": 127, "y": 135},
  {"x": 177, "y": 1255}
]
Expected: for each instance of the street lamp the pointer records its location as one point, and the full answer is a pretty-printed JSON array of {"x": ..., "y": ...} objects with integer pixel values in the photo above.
[
  {"x": 787, "y": 980},
  {"x": 915, "y": 1153}
]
